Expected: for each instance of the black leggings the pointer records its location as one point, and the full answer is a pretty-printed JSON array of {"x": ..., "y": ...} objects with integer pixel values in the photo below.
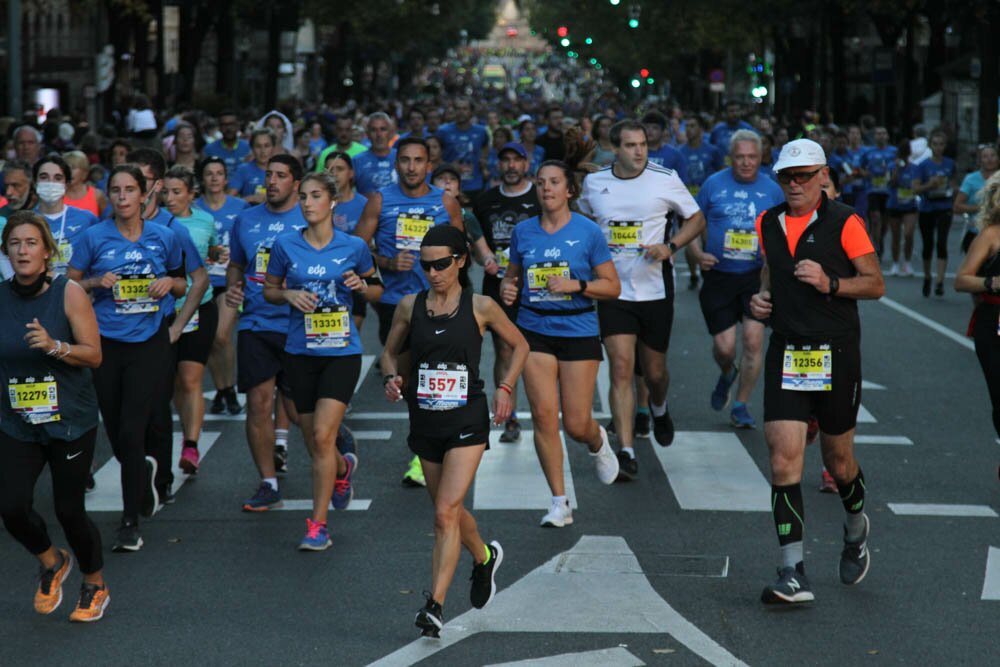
[
  {"x": 987, "y": 341},
  {"x": 160, "y": 431},
  {"x": 130, "y": 386},
  {"x": 69, "y": 464},
  {"x": 930, "y": 222}
]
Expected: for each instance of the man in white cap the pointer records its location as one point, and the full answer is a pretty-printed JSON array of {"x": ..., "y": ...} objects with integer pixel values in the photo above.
[{"x": 818, "y": 262}]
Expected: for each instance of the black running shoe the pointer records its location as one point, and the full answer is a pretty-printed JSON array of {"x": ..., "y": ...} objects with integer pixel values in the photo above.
[
  {"x": 281, "y": 459},
  {"x": 150, "y": 498},
  {"x": 628, "y": 468},
  {"x": 939, "y": 289},
  {"x": 791, "y": 587},
  {"x": 232, "y": 402},
  {"x": 855, "y": 559},
  {"x": 430, "y": 619},
  {"x": 91, "y": 484},
  {"x": 511, "y": 431},
  {"x": 927, "y": 287},
  {"x": 218, "y": 404},
  {"x": 693, "y": 284},
  {"x": 128, "y": 538},
  {"x": 484, "y": 583},
  {"x": 663, "y": 430},
  {"x": 167, "y": 496},
  {"x": 641, "y": 425}
]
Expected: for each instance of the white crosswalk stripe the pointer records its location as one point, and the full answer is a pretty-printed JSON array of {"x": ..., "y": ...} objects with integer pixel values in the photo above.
[{"x": 510, "y": 477}]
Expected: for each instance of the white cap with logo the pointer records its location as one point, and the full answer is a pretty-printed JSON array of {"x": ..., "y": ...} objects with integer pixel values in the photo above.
[{"x": 800, "y": 153}]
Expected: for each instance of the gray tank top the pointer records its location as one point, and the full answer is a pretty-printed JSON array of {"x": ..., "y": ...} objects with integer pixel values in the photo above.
[{"x": 43, "y": 399}]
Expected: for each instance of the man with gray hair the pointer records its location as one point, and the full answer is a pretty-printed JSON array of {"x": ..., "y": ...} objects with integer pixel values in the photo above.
[
  {"x": 376, "y": 168},
  {"x": 17, "y": 187},
  {"x": 27, "y": 144},
  {"x": 730, "y": 262}
]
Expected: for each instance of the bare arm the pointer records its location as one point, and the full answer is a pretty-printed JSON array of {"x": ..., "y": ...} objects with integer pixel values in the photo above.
[
  {"x": 369, "y": 218},
  {"x": 199, "y": 285},
  {"x": 86, "y": 351},
  {"x": 454, "y": 211},
  {"x": 868, "y": 284},
  {"x": 389, "y": 363},
  {"x": 983, "y": 247}
]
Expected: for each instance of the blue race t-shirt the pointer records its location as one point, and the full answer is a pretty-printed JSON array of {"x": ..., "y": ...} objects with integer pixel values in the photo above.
[
  {"x": 233, "y": 157},
  {"x": 670, "y": 158},
  {"x": 464, "y": 148},
  {"x": 723, "y": 132},
  {"x": 731, "y": 209},
  {"x": 224, "y": 218},
  {"x": 901, "y": 197},
  {"x": 402, "y": 223},
  {"x": 372, "y": 172},
  {"x": 879, "y": 163},
  {"x": 347, "y": 214},
  {"x": 701, "y": 163},
  {"x": 938, "y": 199},
  {"x": 572, "y": 252},
  {"x": 537, "y": 158},
  {"x": 127, "y": 313},
  {"x": 329, "y": 330},
  {"x": 972, "y": 186},
  {"x": 67, "y": 228},
  {"x": 254, "y": 234},
  {"x": 249, "y": 179}
]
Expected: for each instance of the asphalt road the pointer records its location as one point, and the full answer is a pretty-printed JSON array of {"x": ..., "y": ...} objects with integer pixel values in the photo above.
[{"x": 644, "y": 576}]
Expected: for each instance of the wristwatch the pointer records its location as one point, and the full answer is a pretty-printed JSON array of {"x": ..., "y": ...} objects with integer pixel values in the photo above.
[
  {"x": 834, "y": 284},
  {"x": 673, "y": 247}
]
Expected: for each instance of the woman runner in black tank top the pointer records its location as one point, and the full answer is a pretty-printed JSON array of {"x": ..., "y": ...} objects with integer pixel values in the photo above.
[{"x": 449, "y": 420}]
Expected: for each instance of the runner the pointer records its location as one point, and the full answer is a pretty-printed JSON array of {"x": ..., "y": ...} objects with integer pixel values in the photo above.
[
  {"x": 969, "y": 196},
  {"x": 248, "y": 181},
  {"x": 343, "y": 130},
  {"x": 934, "y": 182},
  {"x": 129, "y": 266},
  {"x": 559, "y": 264},
  {"x": 901, "y": 210},
  {"x": 263, "y": 326},
  {"x": 79, "y": 192},
  {"x": 66, "y": 223},
  {"x": 731, "y": 262},
  {"x": 498, "y": 211},
  {"x": 224, "y": 209},
  {"x": 877, "y": 164},
  {"x": 198, "y": 333},
  {"x": 348, "y": 212},
  {"x": 316, "y": 272},
  {"x": 980, "y": 276},
  {"x": 449, "y": 418},
  {"x": 52, "y": 418},
  {"x": 374, "y": 169},
  {"x": 397, "y": 217},
  {"x": 818, "y": 262},
  {"x": 631, "y": 201},
  {"x": 467, "y": 145},
  {"x": 230, "y": 148}
]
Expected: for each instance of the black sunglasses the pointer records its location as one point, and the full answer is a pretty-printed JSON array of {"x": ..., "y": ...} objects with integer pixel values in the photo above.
[
  {"x": 438, "y": 264},
  {"x": 800, "y": 177}
]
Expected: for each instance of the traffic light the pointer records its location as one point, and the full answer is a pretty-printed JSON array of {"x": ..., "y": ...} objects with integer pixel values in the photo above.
[
  {"x": 636, "y": 83},
  {"x": 615, "y": 3},
  {"x": 564, "y": 41},
  {"x": 633, "y": 23},
  {"x": 588, "y": 41},
  {"x": 562, "y": 31},
  {"x": 759, "y": 92},
  {"x": 644, "y": 72},
  {"x": 650, "y": 80}
]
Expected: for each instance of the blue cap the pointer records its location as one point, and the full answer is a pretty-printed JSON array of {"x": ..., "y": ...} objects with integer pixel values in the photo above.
[{"x": 513, "y": 146}]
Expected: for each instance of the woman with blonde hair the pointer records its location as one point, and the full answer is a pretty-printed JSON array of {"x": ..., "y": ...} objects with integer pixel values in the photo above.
[{"x": 79, "y": 191}]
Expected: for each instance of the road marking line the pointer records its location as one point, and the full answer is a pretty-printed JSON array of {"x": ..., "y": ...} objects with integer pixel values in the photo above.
[
  {"x": 306, "y": 505},
  {"x": 932, "y": 509},
  {"x": 606, "y": 657},
  {"x": 928, "y": 322},
  {"x": 712, "y": 471},
  {"x": 602, "y": 571},
  {"x": 882, "y": 440},
  {"x": 366, "y": 364},
  {"x": 522, "y": 415},
  {"x": 991, "y": 582},
  {"x": 871, "y": 386},
  {"x": 107, "y": 494},
  {"x": 865, "y": 417},
  {"x": 510, "y": 477},
  {"x": 371, "y": 435}
]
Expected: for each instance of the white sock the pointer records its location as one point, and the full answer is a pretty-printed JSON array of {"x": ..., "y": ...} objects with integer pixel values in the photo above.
[
  {"x": 273, "y": 481},
  {"x": 281, "y": 437},
  {"x": 630, "y": 451},
  {"x": 559, "y": 500},
  {"x": 658, "y": 410}
]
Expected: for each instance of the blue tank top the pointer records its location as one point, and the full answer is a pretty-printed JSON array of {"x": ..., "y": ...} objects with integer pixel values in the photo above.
[{"x": 56, "y": 401}]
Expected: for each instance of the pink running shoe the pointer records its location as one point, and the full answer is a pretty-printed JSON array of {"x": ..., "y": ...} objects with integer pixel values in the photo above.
[
  {"x": 189, "y": 460},
  {"x": 829, "y": 484}
]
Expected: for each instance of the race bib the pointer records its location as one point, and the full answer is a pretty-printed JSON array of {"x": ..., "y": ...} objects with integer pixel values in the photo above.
[
  {"x": 260, "y": 190},
  {"x": 328, "y": 327},
  {"x": 36, "y": 401},
  {"x": 65, "y": 254},
  {"x": 904, "y": 195},
  {"x": 807, "y": 368},
  {"x": 694, "y": 190},
  {"x": 131, "y": 294},
  {"x": 192, "y": 324},
  {"x": 538, "y": 281},
  {"x": 261, "y": 260},
  {"x": 410, "y": 230},
  {"x": 443, "y": 387},
  {"x": 940, "y": 194},
  {"x": 624, "y": 238},
  {"x": 503, "y": 261},
  {"x": 740, "y": 244},
  {"x": 880, "y": 182}
]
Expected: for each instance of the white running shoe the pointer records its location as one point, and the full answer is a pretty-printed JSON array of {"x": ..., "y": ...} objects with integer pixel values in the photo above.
[
  {"x": 894, "y": 269},
  {"x": 605, "y": 461},
  {"x": 559, "y": 515},
  {"x": 907, "y": 269}
]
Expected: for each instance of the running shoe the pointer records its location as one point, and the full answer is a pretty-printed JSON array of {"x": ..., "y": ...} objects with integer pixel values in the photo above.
[
  {"x": 484, "y": 583},
  {"x": 128, "y": 538},
  {"x": 414, "y": 475},
  {"x": 343, "y": 490},
  {"x": 663, "y": 429},
  {"x": 829, "y": 484},
  {"x": 189, "y": 460},
  {"x": 792, "y": 586},
  {"x": 907, "y": 270},
  {"x": 511, "y": 431},
  {"x": 266, "y": 498},
  {"x": 91, "y": 483},
  {"x": 232, "y": 402},
  {"x": 93, "y": 601},
  {"x": 641, "y": 425},
  {"x": 559, "y": 515},
  {"x": 740, "y": 417},
  {"x": 150, "y": 498},
  {"x": 49, "y": 595},
  {"x": 812, "y": 430},
  {"x": 280, "y": 459},
  {"x": 430, "y": 619},
  {"x": 723, "y": 390},
  {"x": 317, "y": 537},
  {"x": 218, "y": 404},
  {"x": 927, "y": 287},
  {"x": 167, "y": 496},
  {"x": 605, "y": 461},
  {"x": 628, "y": 468},
  {"x": 855, "y": 558},
  {"x": 894, "y": 269},
  {"x": 346, "y": 444},
  {"x": 693, "y": 284},
  {"x": 939, "y": 289}
]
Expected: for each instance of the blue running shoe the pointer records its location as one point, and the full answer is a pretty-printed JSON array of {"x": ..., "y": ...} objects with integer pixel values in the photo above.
[
  {"x": 345, "y": 441},
  {"x": 720, "y": 395},
  {"x": 317, "y": 537},
  {"x": 740, "y": 416},
  {"x": 266, "y": 498},
  {"x": 343, "y": 491}
]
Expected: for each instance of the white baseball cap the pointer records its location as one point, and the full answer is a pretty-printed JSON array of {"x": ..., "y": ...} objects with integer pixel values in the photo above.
[{"x": 800, "y": 153}]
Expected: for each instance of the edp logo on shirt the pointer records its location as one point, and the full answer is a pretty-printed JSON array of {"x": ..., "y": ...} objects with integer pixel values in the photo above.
[{"x": 316, "y": 270}]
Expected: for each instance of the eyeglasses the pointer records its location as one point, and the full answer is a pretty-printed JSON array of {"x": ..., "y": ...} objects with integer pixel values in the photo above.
[
  {"x": 438, "y": 264},
  {"x": 800, "y": 177}
]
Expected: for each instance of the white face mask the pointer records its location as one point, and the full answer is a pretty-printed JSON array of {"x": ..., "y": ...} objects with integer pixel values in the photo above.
[{"x": 50, "y": 191}]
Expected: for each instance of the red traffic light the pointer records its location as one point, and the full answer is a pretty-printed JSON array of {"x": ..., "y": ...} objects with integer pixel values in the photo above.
[
  {"x": 644, "y": 72},
  {"x": 562, "y": 31}
]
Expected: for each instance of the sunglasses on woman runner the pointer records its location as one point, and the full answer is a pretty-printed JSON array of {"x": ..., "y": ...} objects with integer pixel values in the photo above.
[{"x": 438, "y": 264}]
